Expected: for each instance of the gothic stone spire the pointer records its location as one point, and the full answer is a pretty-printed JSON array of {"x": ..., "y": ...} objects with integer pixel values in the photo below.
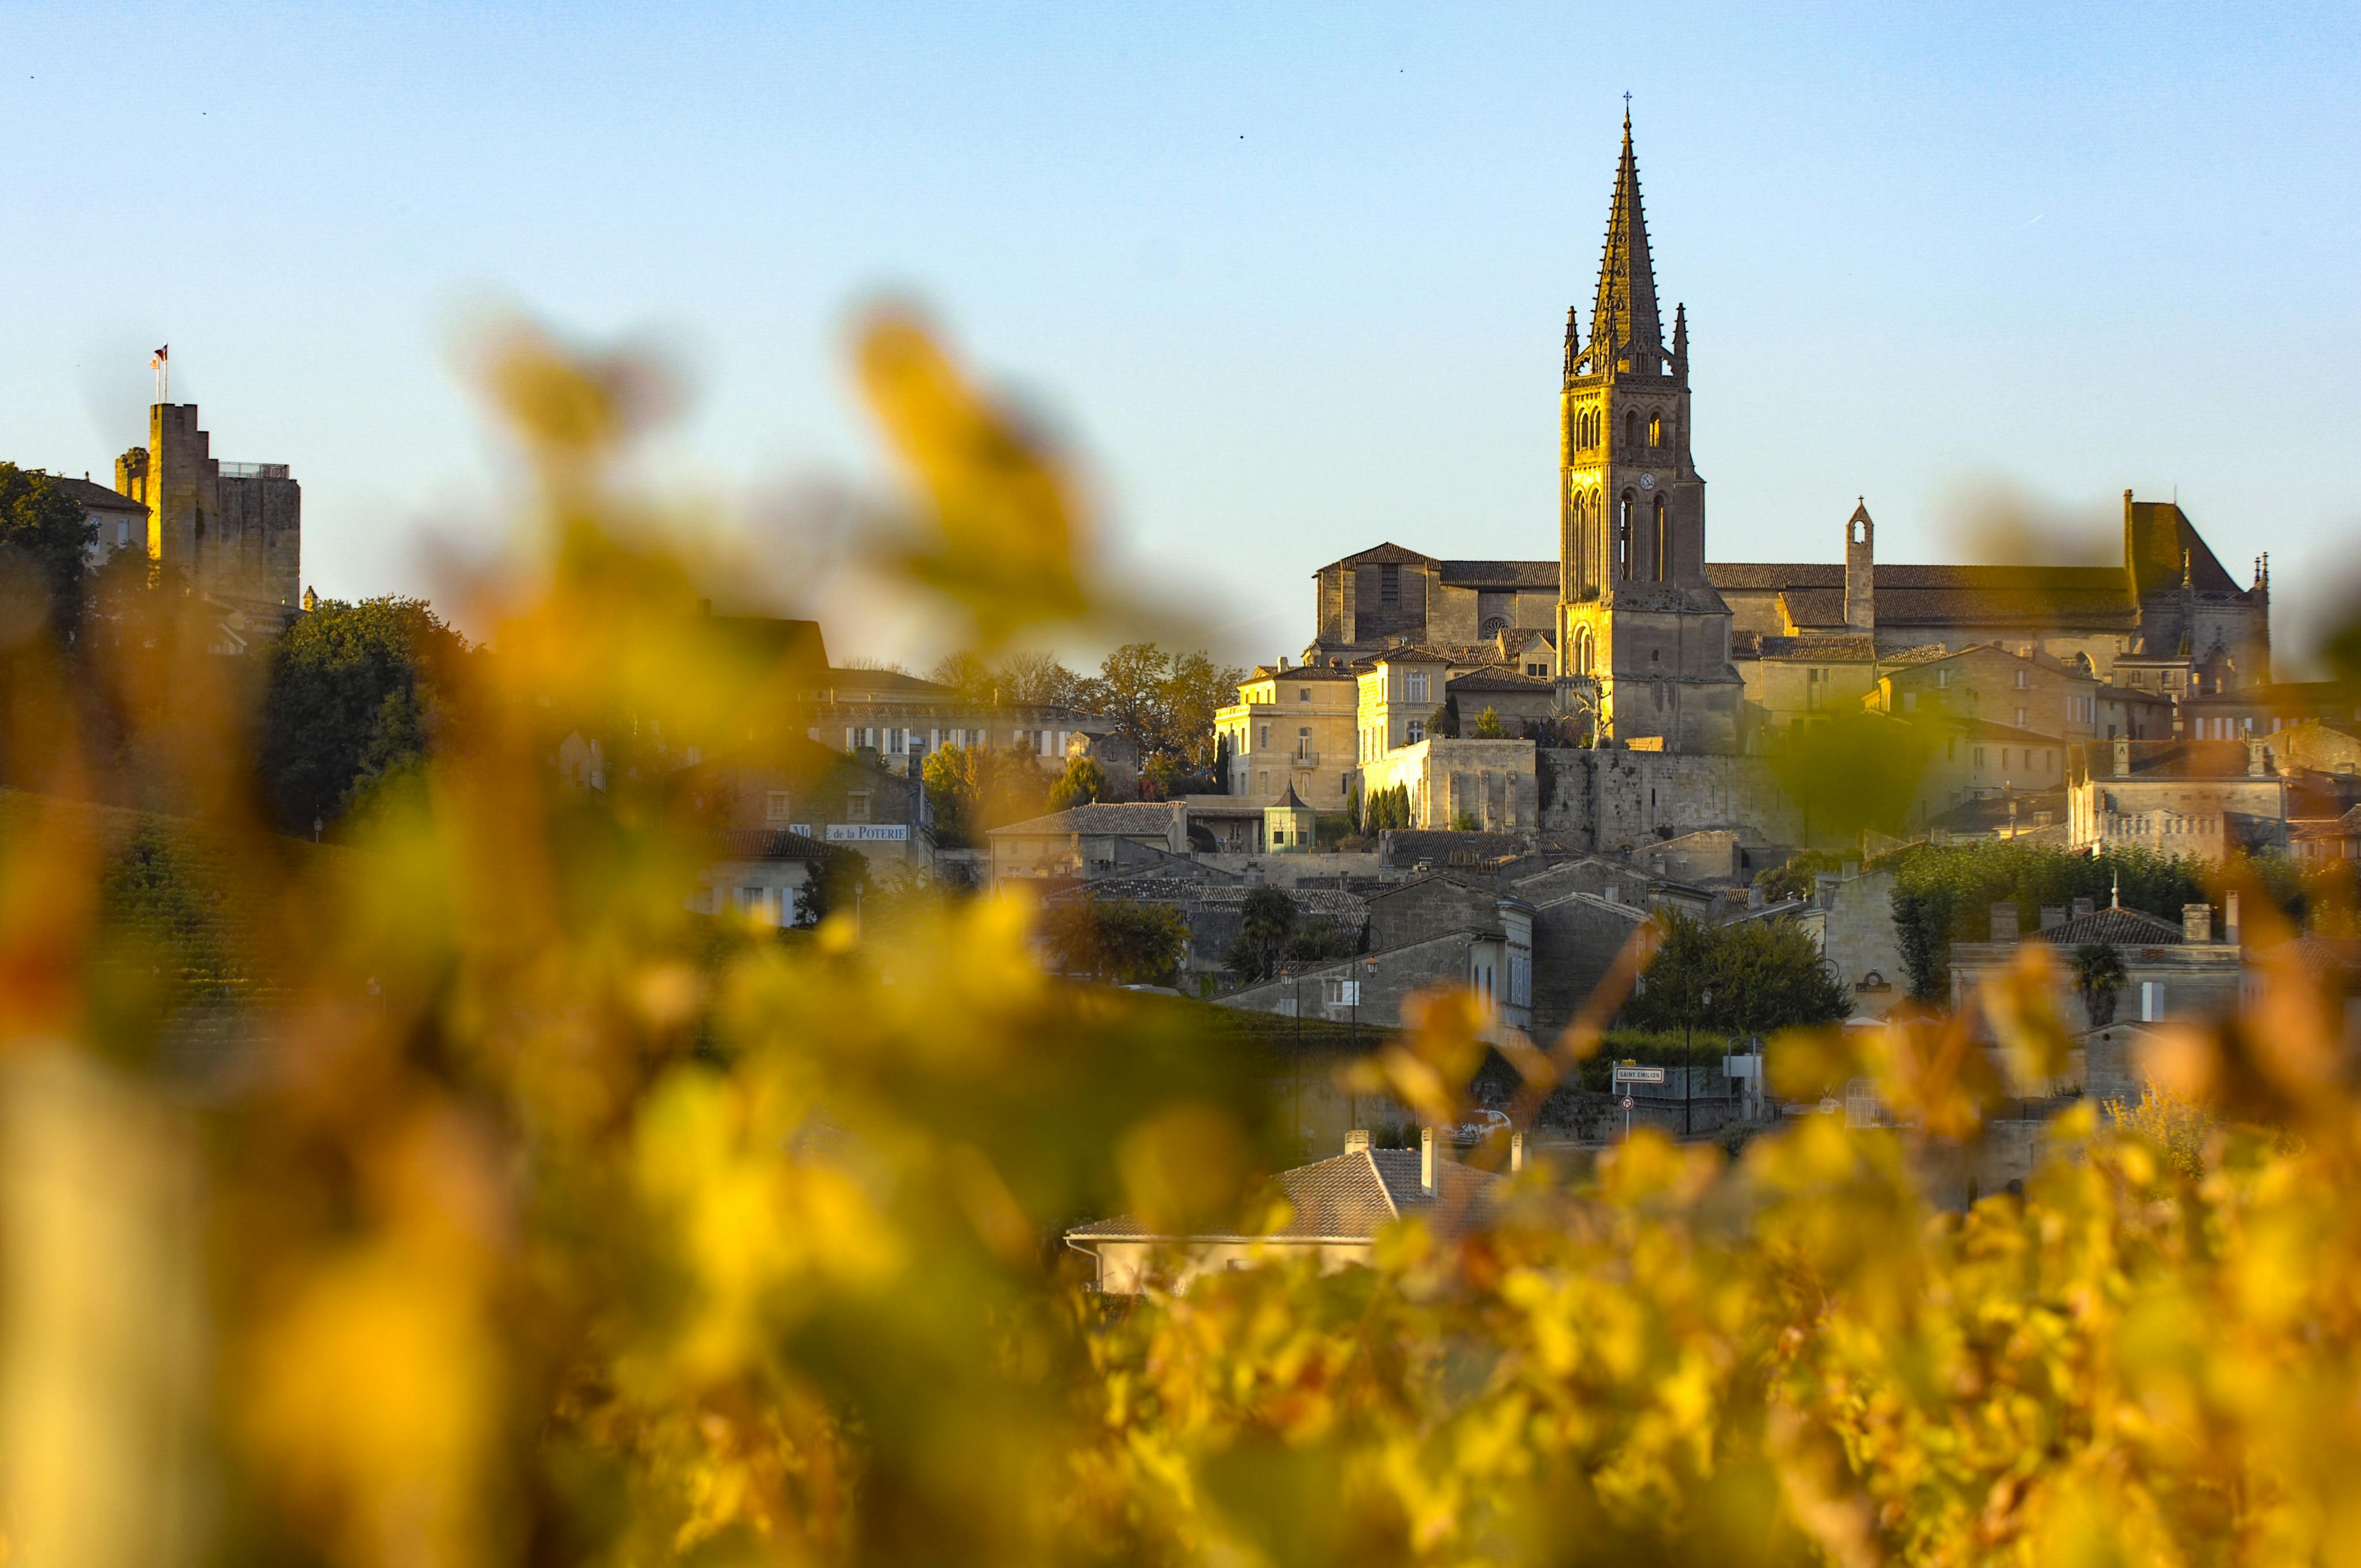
[{"x": 1624, "y": 323}]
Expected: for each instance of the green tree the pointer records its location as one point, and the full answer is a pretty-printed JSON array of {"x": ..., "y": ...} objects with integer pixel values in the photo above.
[
  {"x": 1489, "y": 726},
  {"x": 947, "y": 777},
  {"x": 1264, "y": 924},
  {"x": 45, "y": 542},
  {"x": 1751, "y": 978},
  {"x": 349, "y": 700},
  {"x": 1131, "y": 691},
  {"x": 1319, "y": 938},
  {"x": 2098, "y": 972},
  {"x": 1195, "y": 690},
  {"x": 1117, "y": 940},
  {"x": 838, "y": 880},
  {"x": 1082, "y": 782}
]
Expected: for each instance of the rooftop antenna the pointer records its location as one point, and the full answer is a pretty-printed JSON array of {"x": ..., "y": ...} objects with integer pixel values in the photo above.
[{"x": 161, "y": 363}]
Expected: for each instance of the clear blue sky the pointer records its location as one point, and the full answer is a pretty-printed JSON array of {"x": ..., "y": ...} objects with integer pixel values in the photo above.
[{"x": 1293, "y": 277}]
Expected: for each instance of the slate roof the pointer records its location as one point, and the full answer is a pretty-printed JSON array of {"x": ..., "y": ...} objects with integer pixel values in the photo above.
[
  {"x": 2120, "y": 927},
  {"x": 1290, "y": 801},
  {"x": 1348, "y": 1197},
  {"x": 1123, "y": 818}
]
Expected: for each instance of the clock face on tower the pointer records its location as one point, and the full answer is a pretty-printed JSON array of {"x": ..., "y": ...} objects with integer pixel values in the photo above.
[{"x": 1647, "y": 481}]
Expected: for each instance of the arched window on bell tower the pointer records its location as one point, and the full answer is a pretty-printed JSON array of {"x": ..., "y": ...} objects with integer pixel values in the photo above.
[
  {"x": 1623, "y": 539},
  {"x": 1655, "y": 430},
  {"x": 1631, "y": 427},
  {"x": 1585, "y": 652},
  {"x": 1662, "y": 543}
]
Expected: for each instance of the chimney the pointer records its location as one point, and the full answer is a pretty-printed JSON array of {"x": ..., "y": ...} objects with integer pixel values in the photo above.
[
  {"x": 2004, "y": 922},
  {"x": 1516, "y": 1153},
  {"x": 1358, "y": 1141},
  {"x": 1426, "y": 1160},
  {"x": 2254, "y": 756},
  {"x": 2085, "y": 906},
  {"x": 2230, "y": 918},
  {"x": 2123, "y": 757},
  {"x": 2196, "y": 922},
  {"x": 2052, "y": 916}
]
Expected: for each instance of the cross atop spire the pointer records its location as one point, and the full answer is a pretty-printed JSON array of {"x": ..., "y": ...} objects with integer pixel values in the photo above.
[{"x": 1624, "y": 323}]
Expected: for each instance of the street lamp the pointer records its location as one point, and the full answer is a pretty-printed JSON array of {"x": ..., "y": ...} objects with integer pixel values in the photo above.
[{"x": 1688, "y": 1035}]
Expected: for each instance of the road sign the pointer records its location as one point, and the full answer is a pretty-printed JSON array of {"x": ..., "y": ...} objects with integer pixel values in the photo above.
[
  {"x": 1627, "y": 1102},
  {"x": 1624, "y": 1074}
]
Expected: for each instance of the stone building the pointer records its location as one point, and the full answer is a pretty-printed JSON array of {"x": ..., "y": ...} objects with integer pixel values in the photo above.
[
  {"x": 807, "y": 790},
  {"x": 2021, "y": 688},
  {"x": 1103, "y": 839},
  {"x": 1336, "y": 1209},
  {"x": 2171, "y": 972},
  {"x": 235, "y": 529},
  {"x": 2202, "y": 799},
  {"x": 1692, "y": 654},
  {"x": 1291, "y": 729},
  {"x": 903, "y": 719}
]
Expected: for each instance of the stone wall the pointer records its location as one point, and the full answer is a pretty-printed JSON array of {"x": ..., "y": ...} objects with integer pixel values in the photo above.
[
  {"x": 1616, "y": 802},
  {"x": 1387, "y": 979},
  {"x": 1861, "y": 940},
  {"x": 1491, "y": 783},
  {"x": 1576, "y": 938},
  {"x": 1429, "y": 906}
]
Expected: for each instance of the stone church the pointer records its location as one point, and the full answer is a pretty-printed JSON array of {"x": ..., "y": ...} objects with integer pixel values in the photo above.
[{"x": 1669, "y": 650}]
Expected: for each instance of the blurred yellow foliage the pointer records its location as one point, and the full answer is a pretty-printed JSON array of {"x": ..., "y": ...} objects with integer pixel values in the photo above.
[{"x": 528, "y": 1217}]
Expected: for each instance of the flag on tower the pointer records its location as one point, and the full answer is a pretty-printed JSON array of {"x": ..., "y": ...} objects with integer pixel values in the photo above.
[{"x": 161, "y": 355}]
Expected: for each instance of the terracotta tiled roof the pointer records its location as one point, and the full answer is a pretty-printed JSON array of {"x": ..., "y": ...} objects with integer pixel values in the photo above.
[
  {"x": 2119, "y": 928},
  {"x": 1388, "y": 553},
  {"x": 888, "y": 681},
  {"x": 1497, "y": 679},
  {"x": 1813, "y": 607},
  {"x": 1350, "y": 1197},
  {"x": 1126, "y": 818},
  {"x": 767, "y": 844},
  {"x": 2178, "y": 759},
  {"x": 1839, "y": 647},
  {"x": 1301, "y": 672},
  {"x": 1500, "y": 574},
  {"x": 93, "y": 497}
]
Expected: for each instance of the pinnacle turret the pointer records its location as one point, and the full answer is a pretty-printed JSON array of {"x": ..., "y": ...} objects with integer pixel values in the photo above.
[{"x": 1573, "y": 337}]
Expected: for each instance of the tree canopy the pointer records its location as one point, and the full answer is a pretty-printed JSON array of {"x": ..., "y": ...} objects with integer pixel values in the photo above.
[
  {"x": 1750, "y": 979},
  {"x": 350, "y": 702},
  {"x": 45, "y": 548}
]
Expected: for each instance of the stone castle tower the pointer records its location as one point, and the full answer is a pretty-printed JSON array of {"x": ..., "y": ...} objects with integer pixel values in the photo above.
[
  {"x": 236, "y": 529},
  {"x": 1639, "y": 626}
]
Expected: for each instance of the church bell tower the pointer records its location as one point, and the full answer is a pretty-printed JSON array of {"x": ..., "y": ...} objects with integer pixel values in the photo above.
[{"x": 1639, "y": 626}]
